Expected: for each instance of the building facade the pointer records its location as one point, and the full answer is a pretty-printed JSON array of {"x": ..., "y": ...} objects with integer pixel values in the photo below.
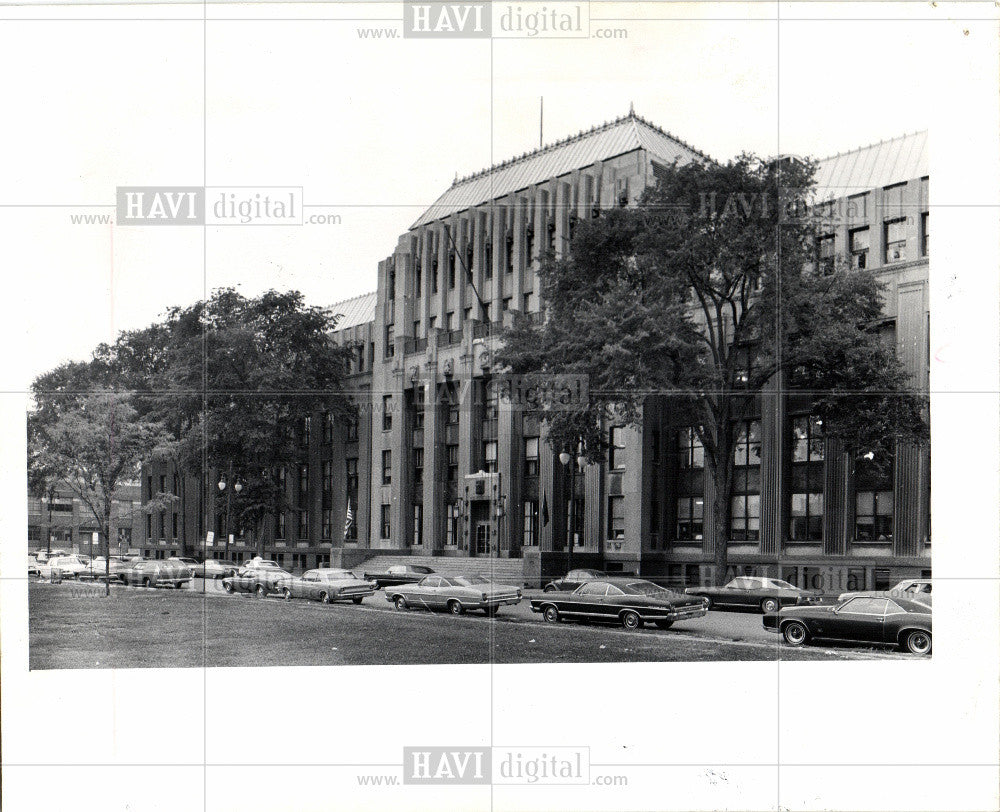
[
  {"x": 436, "y": 466},
  {"x": 59, "y": 520}
]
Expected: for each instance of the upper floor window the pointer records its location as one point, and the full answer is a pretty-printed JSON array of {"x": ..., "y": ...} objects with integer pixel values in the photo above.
[
  {"x": 327, "y": 427},
  {"x": 386, "y": 412},
  {"x": 616, "y": 451},
  {"x": 531, "y": 456},
  {"x": 925, "y": 235},
  {"x": 807, "y": 439},
  {"x": 895, "y": 240},
  {"x": 417, "y": 279},
  {"x": 434, "y": 275},
  {"x": 303, "y": 484},
  {"x": 747, "y": 448},
  {"x": 451, "y": 270},
  {"x": 306, "y": 431},
  {"x": 387, "y": 467},
  {"x": 490, "y": 456},
  {"x": 390, "y": 346},
  {"x": 826, "y": 254},
  {"x": 860, "y": 241},
  {"x": 692, "y": 452},
  {"x": 509, "y": 253},
  {"x": 488, "y": 260},
  {"x": 391, "y": 291}
]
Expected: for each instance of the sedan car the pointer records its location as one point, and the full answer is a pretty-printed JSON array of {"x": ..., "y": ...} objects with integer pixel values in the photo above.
[
  {"x": 456, "y": 594},
  {"x": 32, "y": 565},
  {"x": 62, "y": 566},
  {"x": 766, "y": 594},
  {"x": 326, "y": 586},
  {"x": 262, "y": 581},
  {"x": 216, "y": 568},
  {"x": 399, "y": 574},
  {"x": 915, "y": 589},
  {"x": 572, "y": 579},
  {"x": 151, "y": 573},
  {"x": 862, "y": 619},
  {"x": 629, "y": 601}
]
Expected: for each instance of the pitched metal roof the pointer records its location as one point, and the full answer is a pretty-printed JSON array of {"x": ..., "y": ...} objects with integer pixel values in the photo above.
[
  {"x": 883, "y": 164},
  {"x": 626, "y": 134},
  {"x": 355, "y": 311}
]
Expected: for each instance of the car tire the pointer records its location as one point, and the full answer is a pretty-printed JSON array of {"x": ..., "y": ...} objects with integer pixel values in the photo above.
[
  {"x": 147, "y": 583},
  {"x": 400, "y": 603},
  {"x": 664, "y": 624},
  {"x": 356, "y": 601},
  {"x": 286, "y": 593},
  {"x": 324, "y": 597},
  {"x": 918, "y": 642},
  {"x": 708, "y": 605},
  {"x": 455, "y": 607},
  {"x": 795, "y": 633},
  {"x": 631, "y": 620},
  {"x": 228, "y": 588},
  {"x": 770, "y": 605},
  {"x": 261, "y": 591},
  {"x": 492, "y": 611},
  {"x": 550, "y": 614},
  {"x": 549, "y": 588}
]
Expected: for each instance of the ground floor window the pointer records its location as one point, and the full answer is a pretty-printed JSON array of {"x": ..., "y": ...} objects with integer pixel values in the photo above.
[
  {"x": 451, "y": 527},
  {"x": 690, "y": 518},
  {"x": 806, "y": 522},
  {"x": 327, "y": 523},
  {"x": 873, "y": 520},
  {"x": 418, "y": 525},
  {"x": 616, "y": 517},
  {"x": 386, "y": 521},
  {"x": 530, "y": 533},
  {"x": 745, "y": 517}
]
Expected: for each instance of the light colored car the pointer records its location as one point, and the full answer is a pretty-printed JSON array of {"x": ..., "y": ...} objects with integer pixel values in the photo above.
[
  {"x": 257, "y": 563},
  {"x": 456, "y": 594},
  {"x": 217, "y": 568},
  {"x": 98, "y": 568},
  {"x": 32, "y": 565},
  {"x": 150, "y": 573},
  {"x": 66, "y": 566},
  {"x": 914, "y": 589},
  {"x": 326, "y": 585}
]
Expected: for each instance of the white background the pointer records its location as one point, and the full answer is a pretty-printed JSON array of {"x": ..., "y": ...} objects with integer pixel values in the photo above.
[{"x": 378, "y": 130}]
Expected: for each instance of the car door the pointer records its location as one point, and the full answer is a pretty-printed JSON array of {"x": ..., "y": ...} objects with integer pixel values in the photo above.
[
  {"x": 861, "y": 619},
  {"x": 732, "y": 594},
  {"x": 429, "y": 592},
  {"x": 613, "y": 601},
  {"x": 590, "y": 599}
]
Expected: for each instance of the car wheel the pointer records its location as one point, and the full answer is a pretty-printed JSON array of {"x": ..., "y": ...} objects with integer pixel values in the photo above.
[
  {"x": 549, "y": 588},
  {"x": 664, "y": 624},
  {"x": 261, "y": 591},
  {"x": 550, "y": 614},
  {"x": 357, "y": 600},
  {"x": 918, "y": 642},
  {"x": 400, "y": 603},
  {"x": 147, "y": 583},
  {"x": 228, "y": 587},
  {"x": 795, "y": 633},
  {"x": 324, "y": 597},
  {"x": 631, "y": 620},
  {"x": 769, "y": 605},
  {"x": 492, "y": 611},
  {"x": 708, "y": 605},
  {"x": 455, "y": 607},
  {"x": 286, "y": 593}
]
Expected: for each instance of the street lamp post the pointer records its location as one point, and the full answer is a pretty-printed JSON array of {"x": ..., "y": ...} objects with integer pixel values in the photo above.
[
  {"x": 567, "y": 460},
  {"x": 237, "y": 487},
  {"x": 48, "y": 497}
]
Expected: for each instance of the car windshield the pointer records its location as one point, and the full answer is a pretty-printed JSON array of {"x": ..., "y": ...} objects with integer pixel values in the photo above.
[
  {"x": 642, "y": 588},
  {"x": 470, "y": 580}
]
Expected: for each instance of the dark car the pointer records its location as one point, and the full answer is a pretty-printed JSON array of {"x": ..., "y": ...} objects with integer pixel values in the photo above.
[
  {"x": 326, "y": 586},
  {"x": 572, "y": 579},
  {"x": 399, "y": 574},
  {"x": 861, "y": 619},
  {"x": 156, "y": 573},
  {"x": 261, "y": 580},
  {"x": 629, "y": 601},
  {"x": 765, "y": 594}
]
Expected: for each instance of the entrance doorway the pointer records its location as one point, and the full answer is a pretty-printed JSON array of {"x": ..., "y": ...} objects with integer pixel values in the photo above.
[{"x": 482, "y": 538}]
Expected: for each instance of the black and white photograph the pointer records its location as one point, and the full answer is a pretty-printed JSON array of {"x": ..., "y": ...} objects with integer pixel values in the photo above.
[{"x": 557, "y": 404}]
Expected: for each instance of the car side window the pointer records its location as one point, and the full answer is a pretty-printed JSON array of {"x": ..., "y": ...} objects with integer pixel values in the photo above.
[
  {"x": 432, "y": 581},
  {"x": 893, "y": 608},
  {"x": 594, "y": 590},
  {"x": 866, "y": 606},
  {"x": 736, "y": 583},
  {"x": 613, "y": 590}
]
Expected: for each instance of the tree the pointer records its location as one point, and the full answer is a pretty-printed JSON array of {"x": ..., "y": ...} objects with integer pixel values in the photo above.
[
  {"x": 92, "y": 441},
  {"x": 708, "y": 293}
]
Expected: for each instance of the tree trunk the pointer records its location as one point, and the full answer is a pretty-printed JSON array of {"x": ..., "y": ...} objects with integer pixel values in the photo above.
[
  {"x": 106, "y": 547},
  {"x": 721, "y": 470}
]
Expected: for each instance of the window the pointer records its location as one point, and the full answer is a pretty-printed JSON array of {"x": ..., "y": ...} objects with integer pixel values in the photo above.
[
  {"x": 173, "y": 526},
  {"x": 616, "y": 455},
  {"x": 327, "y": 427},
  {"x": 451, "y": 527},
  {"x": 873, "y": 519},
  {"x": 163, "y": 483},
  {"x": 361, "y": 358},
  {"x": 390, "y": 346},
  {"x": 451, "y": 271},
  {"x": 418, "y": 525},
  {"x": 747, "y": 448},
  {"x": 386, "y": 412},
  {"x": 351, "y": 466},
  {"x": 452, "y": 456},
  {"x": 449, "y": 320},
  {"x": 826, "y": 253},
  {"x": 416, "y": 328},
  {"x": 806, "y": 515},
  {"x": 418, "y": 408},
  {"x": 526, "y": 305},
  {"x": 866, "y": 606},
  {"x": 487, "y": 308},
  {"x": 434, "y": 277},
  {"x": 391, "y": 292},
  {"x": 163, "y": 525},
  {"x": 303, "y": 524},
  {"x": 149, "y": 525},
  {"x": 327, "y": 474},
  {"x": 490, "y": 456},
  {"x": 386, "y": 526},
  {"x": 616, "y": 517},
  {"x": 305, "y": 432},
  {"x": 807, "y": 439},
  {"x": 529, "y": 242},
  {"x": 690, "y": 518},
  {"x": 453, "y": 414},
  {"x": 432, "y": 322},
  {"x": 745, "y": 502},
  {"x": 467, "y": 314},
  {"x": 488, "y": 260},
  {"x": 509, "y": 253},
  {"x": 279, "y": 526},
  {"x": 352, "y": 430},
  {"x": 530, "y": 533},
  {"x": 895, "y": 240},
  {"x": 506, "y": 303},
  {"x": 387, "y": 467},
  {"x": 925, "y": 235},
  {"x": 327, "y": 523},
  {"x": 418, "y": 467},
  {"x": 745, "y": 517},
  {"x": 176, "y": 486},
  {"x": 531, "y": 456},
  {"x": 149, "y": 487},
  {"x": 860, "y": 242},
  {"x": 692, "y": 453},
  {"x": 418, "y": 276},
  {"x": 303, "y": 484}
]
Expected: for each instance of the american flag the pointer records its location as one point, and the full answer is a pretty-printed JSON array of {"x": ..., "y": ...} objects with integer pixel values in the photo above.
[{"x": 350, "y": 518}]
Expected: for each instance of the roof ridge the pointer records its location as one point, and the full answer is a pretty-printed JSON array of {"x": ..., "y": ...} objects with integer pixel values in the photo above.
[
  {"x": 352, "y": 298},
  {"x": 873, "y": 144}
]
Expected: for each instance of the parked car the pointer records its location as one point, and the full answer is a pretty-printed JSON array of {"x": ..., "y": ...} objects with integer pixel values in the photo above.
[
  {"x": 67, "y": 566},
  {"x": 32, "y": 565},
  {"x": 863, "y": 619},
  {"x": 918, "y": 589},
  {"x": 629, "y": 601},
  {"x": 98, "y": 569},
  {"x": 766, "y": 594},
  {"x": 192, "y": 564},
  {"x": 216, "y": 568},
  {"x": 399, "y": 574},
  {"x": 152, "y": 573},
  {"x": 572, "y": 579},
  {"x": 260, "y": 580},
  {"x": 260, "y": 563},
  {"x": 456, "y": 594},
  {"x": 42, "y": 555},
  {"x": 326, "y": 585}
]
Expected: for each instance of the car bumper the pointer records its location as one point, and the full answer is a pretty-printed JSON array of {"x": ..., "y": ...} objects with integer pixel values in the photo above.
[
  {"x": 681, "y": 613},
  {"x": 494, "y": 600}
]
